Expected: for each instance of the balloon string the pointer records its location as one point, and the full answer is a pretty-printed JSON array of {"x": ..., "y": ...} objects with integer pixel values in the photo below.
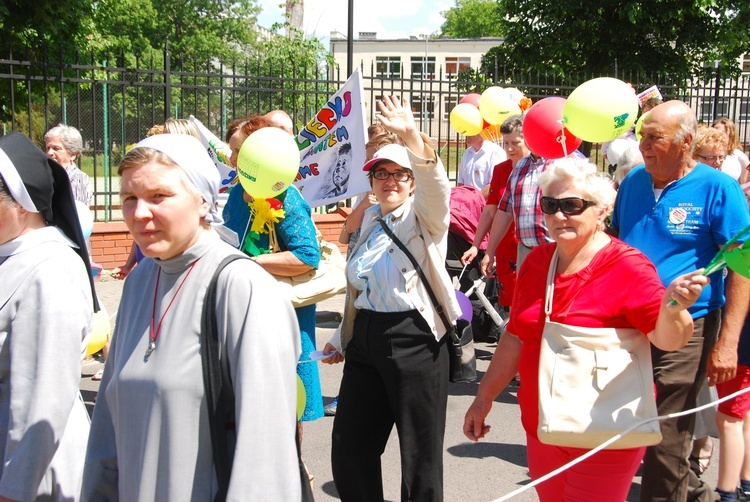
[{"x": 561, "y": 138}]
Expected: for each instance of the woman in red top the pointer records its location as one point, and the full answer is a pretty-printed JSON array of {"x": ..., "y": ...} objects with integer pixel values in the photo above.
[
  {"x": 506, "y": 251},
  {"x": 600, "y": 282}
]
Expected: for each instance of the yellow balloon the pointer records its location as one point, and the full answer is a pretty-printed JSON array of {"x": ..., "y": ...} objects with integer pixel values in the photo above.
[
  {"x": 268, "y": 162},
  {"x": 100, "y": 331},
  {"x": 601, "y": 109},
  {"x": 301, "y": 398},
  {"x": 496, "y": 104},
  {"x": 466, "y": 120},
  {"x": 638, "y": 125}
]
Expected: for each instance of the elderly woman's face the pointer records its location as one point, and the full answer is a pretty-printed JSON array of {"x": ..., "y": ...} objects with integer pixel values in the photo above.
[
  {"x": 163, "y": 215},
  {"x": 57, "y": 151},
  {"x": 712, "y": 155},
  {"x": 235, "y": 143},
  {"x": 571, "y": 229}
]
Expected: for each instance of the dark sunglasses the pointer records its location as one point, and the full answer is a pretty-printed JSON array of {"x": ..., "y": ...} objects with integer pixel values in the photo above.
[{"x": 570, "y": 206}]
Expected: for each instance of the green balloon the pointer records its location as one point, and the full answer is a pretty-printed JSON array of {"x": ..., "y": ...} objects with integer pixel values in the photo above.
[
  {"x": 301, "y": 398},
  {"x": 601, "y": 109},
  {"x": 738, "y": 260},
  {"x": 268, "y": 162}
]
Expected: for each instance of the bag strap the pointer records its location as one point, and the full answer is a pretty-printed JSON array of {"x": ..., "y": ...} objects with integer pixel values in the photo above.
[
  {"x": 438, "y": 308},
  {"x": 220, "y": 394},
  {"x": 550, "y": 286},
  {"x": 217, "y": 384}
]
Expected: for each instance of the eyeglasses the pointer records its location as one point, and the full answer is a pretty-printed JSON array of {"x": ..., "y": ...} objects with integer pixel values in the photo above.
[
  {"x": 711, "y": 158},
  {"x": 570, "y": 206},
  {"x": 382, "y": 175}
]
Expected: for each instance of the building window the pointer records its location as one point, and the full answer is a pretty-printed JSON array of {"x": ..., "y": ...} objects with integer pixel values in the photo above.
[
  {"x": 387, "y": 67},
  {"x": 746, "y": 62},
  {"x": 423, "y": 107},
  {"x": 744, "y": 115},
  {"x": 419, "y": 67},
  {"x": 449, "y": 103},
  {"x": 453, "y": 65},
  {"x": 707, "y": 109}
]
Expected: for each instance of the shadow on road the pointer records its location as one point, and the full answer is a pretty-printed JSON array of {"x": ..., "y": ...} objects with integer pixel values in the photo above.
[{"x": 513, "y": 453}]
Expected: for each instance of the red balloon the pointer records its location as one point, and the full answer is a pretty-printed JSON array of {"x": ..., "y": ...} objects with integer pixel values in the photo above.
[
  {"x": 472, "y": 99},
  {"x": 543, "y": 129}
]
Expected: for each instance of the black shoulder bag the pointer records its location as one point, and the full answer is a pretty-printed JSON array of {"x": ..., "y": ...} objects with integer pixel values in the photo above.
[
  {"x": 220, "y": 395},
  {"x": 462, "y": 357}
]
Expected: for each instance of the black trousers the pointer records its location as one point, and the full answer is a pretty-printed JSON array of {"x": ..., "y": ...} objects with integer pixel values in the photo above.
[
  {"x": 678, "y": 375},
  {"x": 395, "y": 373}
]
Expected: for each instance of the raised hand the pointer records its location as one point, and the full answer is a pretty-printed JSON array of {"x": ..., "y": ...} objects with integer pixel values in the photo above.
[{"x": 397, "y": 117}]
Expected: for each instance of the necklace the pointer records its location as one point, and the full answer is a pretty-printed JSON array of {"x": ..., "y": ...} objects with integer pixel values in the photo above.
[{"x": 154, "y": 333}]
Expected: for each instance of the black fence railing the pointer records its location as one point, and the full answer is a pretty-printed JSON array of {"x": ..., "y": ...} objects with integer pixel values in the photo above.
[{"x": 114, "y": 101}]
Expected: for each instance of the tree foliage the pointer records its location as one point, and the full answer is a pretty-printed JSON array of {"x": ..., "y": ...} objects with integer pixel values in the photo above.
[
  {"x": 33, "y": 23},
  {"x": 471, "y": 19},
  {"x": 564, "y": 36},
  {"x": 195, "y": 28}
]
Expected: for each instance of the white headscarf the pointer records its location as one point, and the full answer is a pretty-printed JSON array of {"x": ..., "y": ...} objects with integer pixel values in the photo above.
[{"x": 189, "y": 153}]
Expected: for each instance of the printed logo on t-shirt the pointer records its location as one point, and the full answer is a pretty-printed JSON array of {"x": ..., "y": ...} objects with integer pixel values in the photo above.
[
  {"x": 677, "y": 216},
  {"x": 684, "y": 218}
]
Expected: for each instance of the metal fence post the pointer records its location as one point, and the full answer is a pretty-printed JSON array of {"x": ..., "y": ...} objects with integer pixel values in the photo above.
[{"x": 167, "y": 81}]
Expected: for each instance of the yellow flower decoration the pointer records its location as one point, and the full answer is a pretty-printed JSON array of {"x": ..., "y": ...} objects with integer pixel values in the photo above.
[{"x": 265, "y": 214}]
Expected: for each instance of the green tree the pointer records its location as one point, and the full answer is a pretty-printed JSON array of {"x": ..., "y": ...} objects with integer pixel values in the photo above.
[
  {"x": 677, "y": 36},
  {"x": 472, "y": 19},
  {"x": 195, "y": 28},
  {"x": 296, "y": 62},
  {"x": 34, "y": 23}
]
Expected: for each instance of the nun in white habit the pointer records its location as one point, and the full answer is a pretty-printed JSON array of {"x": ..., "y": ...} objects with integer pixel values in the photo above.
[
  {"x": 150, "y": 436},
  {"x": 46, "y": 303}
]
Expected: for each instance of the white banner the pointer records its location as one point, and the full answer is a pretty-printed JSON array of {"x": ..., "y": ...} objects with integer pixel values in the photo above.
[
  {"x": 332, "y": 148},
  {"x": 219, "y": 153}
]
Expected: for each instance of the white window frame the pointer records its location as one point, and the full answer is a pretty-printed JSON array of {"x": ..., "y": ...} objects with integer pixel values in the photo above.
[
  {"x": 418, "y": 65},
  {"x": 706, "y": 110},
  {"x": 418, "y": 104},
  {"x": 454, "y": 65},
  {"x": 390, "y": 62}
]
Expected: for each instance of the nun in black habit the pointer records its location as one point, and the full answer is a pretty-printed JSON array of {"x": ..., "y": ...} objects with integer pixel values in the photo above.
[{"x": 46, "y": 303}]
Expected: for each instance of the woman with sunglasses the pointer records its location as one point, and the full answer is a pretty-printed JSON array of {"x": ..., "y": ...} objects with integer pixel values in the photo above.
[
  {"x": 397, "y": 361},
  {"x": 600, "y": 282}
]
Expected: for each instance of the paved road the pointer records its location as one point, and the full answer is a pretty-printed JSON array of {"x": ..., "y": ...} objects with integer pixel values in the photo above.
[{"x": 473, "y": 472}]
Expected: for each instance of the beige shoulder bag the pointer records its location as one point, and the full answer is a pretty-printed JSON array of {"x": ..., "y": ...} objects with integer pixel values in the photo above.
[{"x": 594, "y": 383}]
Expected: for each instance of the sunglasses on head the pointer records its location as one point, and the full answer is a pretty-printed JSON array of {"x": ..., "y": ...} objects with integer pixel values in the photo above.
[{"x": 570, "y": 206}]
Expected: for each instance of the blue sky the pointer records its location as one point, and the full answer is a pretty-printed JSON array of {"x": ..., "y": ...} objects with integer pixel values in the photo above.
[{"x": 389, "y": 18}]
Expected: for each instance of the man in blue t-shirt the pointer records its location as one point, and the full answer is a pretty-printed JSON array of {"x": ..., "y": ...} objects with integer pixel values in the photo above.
[{"x": 679, "y": 213}]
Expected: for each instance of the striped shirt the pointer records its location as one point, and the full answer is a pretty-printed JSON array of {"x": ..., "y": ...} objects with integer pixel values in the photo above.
[
  {"x": 81, "y": 184},
  {"x": 372, "y": 271},
  {"x": 521, "y": 197}
]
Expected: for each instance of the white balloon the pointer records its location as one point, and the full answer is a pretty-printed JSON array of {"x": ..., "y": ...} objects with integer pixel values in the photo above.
[{"x": 86, "y": 217}]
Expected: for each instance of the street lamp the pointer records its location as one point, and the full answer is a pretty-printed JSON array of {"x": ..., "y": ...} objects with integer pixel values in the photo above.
[{"x": 424, "y": 61}]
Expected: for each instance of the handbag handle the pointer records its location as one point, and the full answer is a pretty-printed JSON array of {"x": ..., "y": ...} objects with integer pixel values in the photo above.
[
  {"x": 220, "y": 394},
  {"x": 550, "y": 286},
  {"x": 438, "y": 308}
]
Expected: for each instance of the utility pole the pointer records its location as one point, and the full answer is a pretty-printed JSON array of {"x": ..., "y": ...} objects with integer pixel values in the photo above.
[{"x": 350, "y": 40}]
